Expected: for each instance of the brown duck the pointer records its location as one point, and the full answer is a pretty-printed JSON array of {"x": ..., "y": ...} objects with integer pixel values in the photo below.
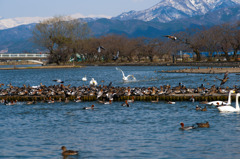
[
  {"x": 203, "y": 125},
  {"x": 66, "y": 152}
]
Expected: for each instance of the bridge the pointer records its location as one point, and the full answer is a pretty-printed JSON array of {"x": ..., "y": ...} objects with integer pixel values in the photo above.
[{"x": 32, "y": 57}]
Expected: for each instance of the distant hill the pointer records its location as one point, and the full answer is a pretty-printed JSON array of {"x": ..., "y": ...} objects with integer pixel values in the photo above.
[{"x": 18, "y": 39}]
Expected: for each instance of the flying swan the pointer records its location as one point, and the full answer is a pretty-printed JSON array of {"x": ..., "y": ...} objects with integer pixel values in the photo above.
[{"x": 125, "y": 78}]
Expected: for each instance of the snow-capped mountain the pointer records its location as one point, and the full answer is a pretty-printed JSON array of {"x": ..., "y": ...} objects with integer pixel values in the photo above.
[
  {"x": 168, "y": 10},
  {"x": 13, "y": 22}
]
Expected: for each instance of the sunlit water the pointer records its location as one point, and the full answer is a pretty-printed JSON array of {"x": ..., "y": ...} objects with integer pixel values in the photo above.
[{"x": 144, "y": 130}]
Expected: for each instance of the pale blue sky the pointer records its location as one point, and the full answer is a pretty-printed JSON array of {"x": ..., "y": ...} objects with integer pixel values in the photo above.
[{"x": 46, "y": 8}]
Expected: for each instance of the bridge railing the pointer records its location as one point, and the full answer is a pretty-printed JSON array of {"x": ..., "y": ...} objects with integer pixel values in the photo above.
[{"x": 23, "y": 55}]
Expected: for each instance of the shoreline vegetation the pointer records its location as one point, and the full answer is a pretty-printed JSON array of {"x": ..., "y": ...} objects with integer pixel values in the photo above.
[{"x": 209, "y": 67}]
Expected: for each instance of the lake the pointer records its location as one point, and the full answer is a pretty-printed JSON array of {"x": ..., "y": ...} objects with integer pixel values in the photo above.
[{"x": 143, "y": 130}]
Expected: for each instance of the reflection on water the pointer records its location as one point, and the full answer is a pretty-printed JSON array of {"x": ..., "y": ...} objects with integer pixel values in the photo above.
[{"x": 144, "y": 130}]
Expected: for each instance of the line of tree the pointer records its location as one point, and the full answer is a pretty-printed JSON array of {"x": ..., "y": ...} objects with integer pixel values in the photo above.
[{"x": 66, "y": 38}]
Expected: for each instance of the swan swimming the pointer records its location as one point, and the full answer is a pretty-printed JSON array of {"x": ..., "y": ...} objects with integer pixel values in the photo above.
[
  {"x": 229, "y": 108},
  {"x": 216, "y": 103},
  {"x": 126, "y": 78},
  {"x": 84, "y": 78},
  {"x": 93, "y": 82}
]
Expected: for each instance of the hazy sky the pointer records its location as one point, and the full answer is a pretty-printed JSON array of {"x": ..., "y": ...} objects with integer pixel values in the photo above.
[{"x": 46, "y": 8}]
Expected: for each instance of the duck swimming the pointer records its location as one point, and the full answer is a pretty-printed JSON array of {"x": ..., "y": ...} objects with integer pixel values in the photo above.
[
  {"x": 204, "y": 109},
  {"x": 186, "y": 127},
  {"x": 66, "y": 152},
  {"x": 131, "y": 101},
  {"x": 126, "y": 104},
  {"x": 92, "y": 107},
  {"x": 203, "y": 125},
  {"x": 170, "y": 102},
  {"x": 198, "y": 108},
  {"x": 58, "y": 81}
]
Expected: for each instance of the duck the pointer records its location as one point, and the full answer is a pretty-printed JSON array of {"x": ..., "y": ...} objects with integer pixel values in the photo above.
[
  {"x": 186, "y": 127},
  {"x": 109, "y": 102},
  {"x": 155, "y": 101},
  {"x": 100, "y": 48},
  {"x": 115, "y": 57},
  {"x": 66, "y": 100},
  {"x": 58, "y": 81},
  {"x": 225, "y": 78},
  {"x": 10, "y": 103},
  {"x": 66, "y": 152},
  {"x": 204, "y": 109},
  {"x": 171, "y": 37},
  {"x": 78, "y": 99},
  {"x": 203, "y": 125},
  {"x": 198, "y": 108},
  {"x": 30, "y": 102},
  {"x": 131, "y": 101},
  {"x": 170, "y": 102},
  {"x": 192, "y": 99},
  {"x": 92, "y": 107},
  {"x": 216, "y": 103},
  {"x": 100, "y": 93},
  {"x": 84, "y": 78},
  {"x": 3, "y": 101},
  {"x": 229, "y": 108},
  {"x": 126, "y": 104},
  {"x": 51, "y": 101}
]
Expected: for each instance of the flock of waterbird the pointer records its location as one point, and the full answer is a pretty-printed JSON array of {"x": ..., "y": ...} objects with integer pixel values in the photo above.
[
  {"x": 221, "y": 105},
  {"x": 108, "y": 93}
]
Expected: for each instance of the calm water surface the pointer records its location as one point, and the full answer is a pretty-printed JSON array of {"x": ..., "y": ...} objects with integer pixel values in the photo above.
[{"x": 144, "y": 130}]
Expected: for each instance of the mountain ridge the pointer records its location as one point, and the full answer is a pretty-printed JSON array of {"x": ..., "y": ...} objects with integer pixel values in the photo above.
[
  {"x": 17, "y": 39},
  {"x": 168, "y": 10}
]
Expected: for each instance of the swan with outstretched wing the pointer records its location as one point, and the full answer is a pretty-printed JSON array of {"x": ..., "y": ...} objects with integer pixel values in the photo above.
[{"x": 125, "y": 78}]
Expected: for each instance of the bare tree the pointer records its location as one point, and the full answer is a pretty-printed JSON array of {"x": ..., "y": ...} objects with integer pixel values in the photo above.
[
  {"x": 60, "y": 36},
  {"x": 210, "y": 41}
]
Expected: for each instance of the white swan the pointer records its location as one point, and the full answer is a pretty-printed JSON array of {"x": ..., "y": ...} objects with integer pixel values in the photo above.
[
  {"x": 216, "y": 103},
  {"x": 125, "y": 78},
  {"x": 229, "y": 108},
  {"x": 93, "y": 82},
  {"x": 84, "y": 78}
]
